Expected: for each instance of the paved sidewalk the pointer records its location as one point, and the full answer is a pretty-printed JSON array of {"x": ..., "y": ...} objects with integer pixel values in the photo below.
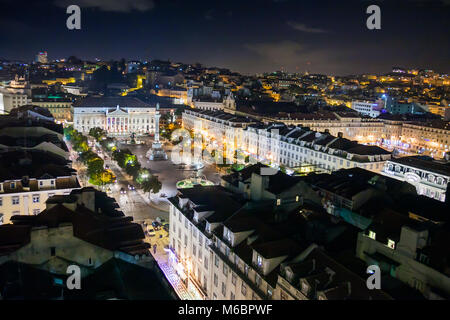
[
  {"x": 163, "y": 206},
  {"x": 175, "y": 281}
]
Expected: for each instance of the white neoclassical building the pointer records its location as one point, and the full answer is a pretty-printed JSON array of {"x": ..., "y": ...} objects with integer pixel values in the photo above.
[{"x": 117, "y": 115}]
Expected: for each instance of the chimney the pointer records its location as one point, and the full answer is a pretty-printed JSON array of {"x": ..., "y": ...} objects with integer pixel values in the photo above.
[{"x": 87, "y": 198}]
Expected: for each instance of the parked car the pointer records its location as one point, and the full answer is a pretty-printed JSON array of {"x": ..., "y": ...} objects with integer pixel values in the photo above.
[
  {"x": 150, "y": 231},
  {"x": 131, "y": 187},
  {"x": 166, "y": 227},
  {"x": 155, "y": 224},
  {"x": 123, "y": 191}
]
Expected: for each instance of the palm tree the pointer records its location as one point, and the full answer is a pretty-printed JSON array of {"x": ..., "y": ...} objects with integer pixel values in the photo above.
[{"x": 151, "y": 185}]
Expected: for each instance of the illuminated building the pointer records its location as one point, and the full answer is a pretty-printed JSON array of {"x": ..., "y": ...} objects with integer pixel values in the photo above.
[
  {"x": 63, "y": 81},
  {"x": 366, "y": 108},
  {"x": 60, "y": 108},
  {"x": 29, "y": 178},
  {"x": 207, "y": 104},
  {"x": 236, "y": 241},
  {"x": 41, "y": 57},
  {"x": 430, "y": 178},
  {"x": 117, "y": 115},
  {"x": 293, "y": 146},
  {"x": 280, "y": 144},
  {"x": 10, "y": 100},
  {"x": 429, "y": 138}
]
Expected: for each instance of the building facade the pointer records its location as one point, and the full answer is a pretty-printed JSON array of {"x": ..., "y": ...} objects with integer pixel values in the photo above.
[
  {"x": 282, "y": 145},
  {"x": 118, "y": 116},
  {"x": 430, "y": 178},
  {"x": 60, "y": 110},
  {"x": 366, "y": 108}
]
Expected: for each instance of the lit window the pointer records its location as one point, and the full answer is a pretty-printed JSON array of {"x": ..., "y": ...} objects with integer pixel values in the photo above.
[
  {"x": 296, "y": 198},
  {"x": 259, "y": 261},
  {"x": 278, "y": 202},
  {"x": 391, "y": 244},
  {"x": 269, "y": 292},
  {"x": 372, "y": 235},
  {"x": 228, "y": 235}
]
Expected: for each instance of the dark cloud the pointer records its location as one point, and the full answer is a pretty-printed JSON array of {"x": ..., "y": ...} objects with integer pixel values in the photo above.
[{"x": 304, "y": 28}]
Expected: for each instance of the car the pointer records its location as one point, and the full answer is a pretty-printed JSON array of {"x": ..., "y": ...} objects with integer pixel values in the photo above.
[
  {"x": 163, "y": 195},
  {"x": 106, "y": 167},
  {"x": 160, "y": 220},
  {"x": 150, "y": 231},
  {"x": 123, "y": 191},
  {"x": 155, "y": 224},
  {"x": 166, "y": 227},
  {"x": 131, "y": 187}
]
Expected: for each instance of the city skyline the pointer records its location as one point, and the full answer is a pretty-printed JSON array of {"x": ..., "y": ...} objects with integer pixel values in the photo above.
[
  {"x": 247, "y": 38},
  {"x": 259, "y": 151}
]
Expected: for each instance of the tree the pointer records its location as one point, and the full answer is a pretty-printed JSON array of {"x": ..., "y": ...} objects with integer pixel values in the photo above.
[
  {"x": 119, "y": 157},
  {"x": 97, "y": 133},
  {"x": 86, "y": 156},
  {"x": 133, "y": 169},
  {"x": 151, "y": 185},
  {"x": 102, "y": 178},
  {"x": 95, "y": 166},
  {"x": 142, "y": 176}
]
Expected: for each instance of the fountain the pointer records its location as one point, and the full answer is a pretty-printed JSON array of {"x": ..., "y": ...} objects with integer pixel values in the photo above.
[{"x": 194, "y": 180}]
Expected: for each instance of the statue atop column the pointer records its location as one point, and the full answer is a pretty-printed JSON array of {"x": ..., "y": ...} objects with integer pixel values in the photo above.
[{"x": 157, "y": 152}]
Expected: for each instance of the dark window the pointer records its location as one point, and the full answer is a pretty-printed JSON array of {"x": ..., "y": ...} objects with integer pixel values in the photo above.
[{"x": 52, "y": 251}]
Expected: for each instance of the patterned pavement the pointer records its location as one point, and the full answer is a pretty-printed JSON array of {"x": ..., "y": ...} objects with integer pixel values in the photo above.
[{"x": 175, "y": 281}]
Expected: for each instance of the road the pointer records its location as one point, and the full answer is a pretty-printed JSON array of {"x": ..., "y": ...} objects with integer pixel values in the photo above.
[{"x": 134, "y": 203}]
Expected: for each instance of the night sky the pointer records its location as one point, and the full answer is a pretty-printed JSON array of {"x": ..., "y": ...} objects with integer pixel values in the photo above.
[{"x": 247, "y": 36}]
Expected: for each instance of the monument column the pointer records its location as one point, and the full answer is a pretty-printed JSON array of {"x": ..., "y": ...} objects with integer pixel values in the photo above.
[
  {"x": 157, "y": 116},
  {"x": 156, "y": 152}
]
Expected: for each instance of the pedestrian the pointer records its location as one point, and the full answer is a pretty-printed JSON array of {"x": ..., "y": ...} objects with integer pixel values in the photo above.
[{"x": 154, "y": 248}]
